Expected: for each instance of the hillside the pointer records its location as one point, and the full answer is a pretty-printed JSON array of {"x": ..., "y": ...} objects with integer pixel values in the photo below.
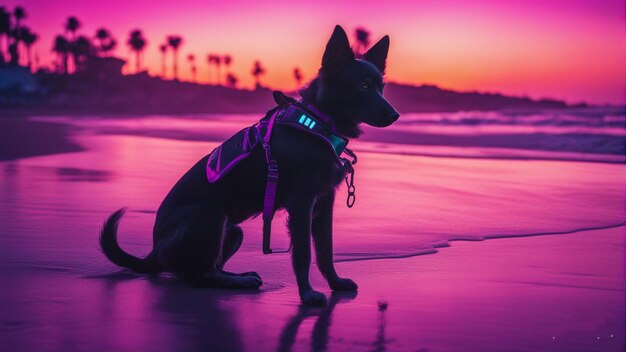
[{"x": 141, "y": 94}]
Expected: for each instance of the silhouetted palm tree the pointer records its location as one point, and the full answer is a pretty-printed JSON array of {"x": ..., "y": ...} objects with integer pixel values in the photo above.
[
  {"x": 82, "y": 49},
  {"x": 215, "y": 60},
  {"x": 218, "y": 65},
  {"x": 362, "y": 37},
  {"x": 175, "y": 41},
  {"x": 72, "y": 25},
  {"x": 106, "y": 41},
  {"x": 17, "y": 34},
  {"x": 297, "y": 74},
  {"x": 62, "y": 48},
  {"x": 228, "y": 60},
  {"x": 137, "y": 43},
  {"x": 5, "y": 30},
  {"x": 231, "y": 80},
  {"x": 209, "y": 60},
  {"x": 257, "y": 71},
  {"x": 29, "y": 38},
  {"x": 191, "y": 58},
  {"x": 19, "y": 15},
  {"x": 163, "y": 50}
]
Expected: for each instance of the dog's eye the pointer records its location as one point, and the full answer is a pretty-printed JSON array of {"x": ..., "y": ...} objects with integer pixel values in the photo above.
[{"x": 365, "y": 85}]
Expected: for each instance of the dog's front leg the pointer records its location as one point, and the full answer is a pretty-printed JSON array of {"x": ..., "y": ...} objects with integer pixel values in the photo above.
[
  {"x": 322, "y": 229},
  {"x": 300, "y": 231}
]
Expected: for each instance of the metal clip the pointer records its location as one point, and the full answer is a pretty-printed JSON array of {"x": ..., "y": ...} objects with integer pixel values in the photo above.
[{"x": 347, "y": 164}]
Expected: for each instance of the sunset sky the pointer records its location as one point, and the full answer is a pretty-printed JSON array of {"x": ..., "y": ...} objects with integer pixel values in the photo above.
[{"x": 567, "y": 49}]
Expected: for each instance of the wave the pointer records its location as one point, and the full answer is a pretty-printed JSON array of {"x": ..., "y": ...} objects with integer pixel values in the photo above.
[
  {"x": 432, "y": 248},
  {"x": 593, "y": 134}
]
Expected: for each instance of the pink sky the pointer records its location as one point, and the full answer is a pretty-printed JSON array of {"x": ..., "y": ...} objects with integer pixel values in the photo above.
[{"x": 573, "y": 50}]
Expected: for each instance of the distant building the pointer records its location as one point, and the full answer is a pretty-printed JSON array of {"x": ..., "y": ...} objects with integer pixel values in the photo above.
[
  {"x": 17, "y": 80},
  {"x": 103, "y": 68}
]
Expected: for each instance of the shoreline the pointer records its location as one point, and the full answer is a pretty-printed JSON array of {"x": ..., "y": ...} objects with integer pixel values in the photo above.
[
  {"x": 434, "y": 248},
  {"x": 501, "y": 147},
  {"x": 21, "y": 137}
]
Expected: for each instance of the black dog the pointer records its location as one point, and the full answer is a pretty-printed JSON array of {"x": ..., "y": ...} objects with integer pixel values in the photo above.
[{"x": 196, "y": 230}]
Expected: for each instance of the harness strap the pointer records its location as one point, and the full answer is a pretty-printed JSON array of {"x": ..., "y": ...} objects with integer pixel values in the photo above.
[{"x": 269, "y": 200}]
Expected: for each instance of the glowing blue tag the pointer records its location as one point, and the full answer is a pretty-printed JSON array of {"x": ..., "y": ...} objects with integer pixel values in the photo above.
[{"x": 307, "y": 121}]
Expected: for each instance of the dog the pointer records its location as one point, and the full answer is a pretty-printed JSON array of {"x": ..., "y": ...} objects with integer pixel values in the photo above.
[{"x": 196, "y": 229}]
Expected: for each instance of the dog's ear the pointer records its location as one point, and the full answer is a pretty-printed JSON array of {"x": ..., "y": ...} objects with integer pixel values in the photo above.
[
  {"x": 338, "y": 52},
  {"x": 378, "y": 54}
]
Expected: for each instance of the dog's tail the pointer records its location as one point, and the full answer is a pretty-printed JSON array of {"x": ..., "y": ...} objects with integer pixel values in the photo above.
[{"x": 112, "y": 250}]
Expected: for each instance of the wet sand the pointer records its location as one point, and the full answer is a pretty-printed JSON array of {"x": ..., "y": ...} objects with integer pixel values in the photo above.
[
  {"x": 22, "y": 137},
  {"x": 563, "y": 292},
  {"x": 497, "y": 295}
]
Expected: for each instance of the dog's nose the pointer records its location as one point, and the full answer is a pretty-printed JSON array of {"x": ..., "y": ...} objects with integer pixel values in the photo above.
[{"x": 393, "y": 115}]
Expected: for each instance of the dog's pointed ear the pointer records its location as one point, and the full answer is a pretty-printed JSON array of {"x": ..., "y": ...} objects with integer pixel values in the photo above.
[
  {"x": 338, "y": 52},
  {"x": 378, "y": 53}
]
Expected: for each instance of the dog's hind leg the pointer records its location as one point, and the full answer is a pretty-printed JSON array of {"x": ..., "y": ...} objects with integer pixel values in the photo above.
[
  {"x": 195, "y": 244},
  {"x": 233, "y": 238}
]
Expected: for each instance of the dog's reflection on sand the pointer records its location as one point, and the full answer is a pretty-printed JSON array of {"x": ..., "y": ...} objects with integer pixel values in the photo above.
[
  {"x": 193, "y": 319},
  {"x": 320, "y": 333}
]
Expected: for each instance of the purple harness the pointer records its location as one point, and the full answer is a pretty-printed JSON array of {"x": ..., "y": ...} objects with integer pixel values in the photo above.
[{"x": 290, "y": 113}]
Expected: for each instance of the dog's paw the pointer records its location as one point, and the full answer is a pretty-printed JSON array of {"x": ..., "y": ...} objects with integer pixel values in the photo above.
[
  {"x": 251, "y": 273},
  {"x": 248, "y": 282},
  {"x": 343, "y": 285},
  {"x": 313, "y": 298}
]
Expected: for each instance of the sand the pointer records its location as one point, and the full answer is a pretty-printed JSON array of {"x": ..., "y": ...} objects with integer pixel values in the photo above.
[
  {"x": 562, "y": 292},
  {"x": 498, "y": 295},
  {"x": 22, "y": 137}
]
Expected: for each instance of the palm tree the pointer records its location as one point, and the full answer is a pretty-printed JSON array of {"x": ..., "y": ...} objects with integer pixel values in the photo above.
[
  {"x": 163, "y": 50},
  {"x": 175, "y": 41},
  {"x": 29, "y": 38},
  {"x": 137, "y": 43},
  {"x": 231, "y": 80},
  {"x": 19, "y": 15},
  {"x": 5, "y": 30},
  {"x": 17, "y": 34},
  {"x": 209, "y": 60},
  {"x": 72, "y": 25},
  {"x": 106, "y": 41},
  {"x": 228, "y": 60},
  {"x": 109, "y": 46},
  {"x": 62, "y": 48},
  {"x": 297, "y": 74},
  {"x": 257, "y": 71},
  {"x": 191, "y": 58},
  {"x": 218, "y": 65},
  {"x": 82, "y": 49},
  {"x": 214, "y": 59},
  {"x": 362, "y": 36}
]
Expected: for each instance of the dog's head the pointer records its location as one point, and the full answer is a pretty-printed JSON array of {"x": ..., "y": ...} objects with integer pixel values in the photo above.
[{"x": 351, "y": 89}]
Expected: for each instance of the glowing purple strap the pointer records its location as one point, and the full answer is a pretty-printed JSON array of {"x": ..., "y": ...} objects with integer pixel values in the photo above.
[{"x": 269, "y": 200}]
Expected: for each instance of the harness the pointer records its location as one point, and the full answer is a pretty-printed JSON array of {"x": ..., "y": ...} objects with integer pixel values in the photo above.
[{"x": 291, "y": 113}]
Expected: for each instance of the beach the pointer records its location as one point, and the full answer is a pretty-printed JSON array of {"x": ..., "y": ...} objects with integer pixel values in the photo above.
[{"x": 461, "y": 249}]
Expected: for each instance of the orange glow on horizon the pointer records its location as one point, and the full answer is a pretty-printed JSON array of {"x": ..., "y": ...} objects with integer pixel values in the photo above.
[{"x": 572, "y": 50}]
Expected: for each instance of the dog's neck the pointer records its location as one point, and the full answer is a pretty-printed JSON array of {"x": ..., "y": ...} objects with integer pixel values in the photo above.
[{"x": 345, "y": 124}]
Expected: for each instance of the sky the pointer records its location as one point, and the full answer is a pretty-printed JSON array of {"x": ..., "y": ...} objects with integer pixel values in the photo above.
[{"x": 565, "y": 49}]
